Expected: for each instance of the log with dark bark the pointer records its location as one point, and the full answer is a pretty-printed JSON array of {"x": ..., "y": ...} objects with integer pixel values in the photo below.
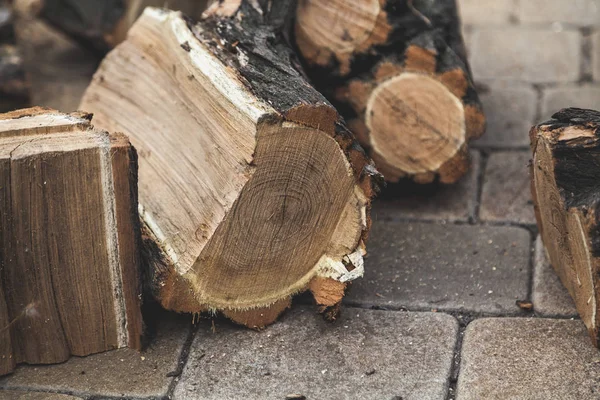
[
  {"x": 14, "y": 87},
  {"x": 69, "y": 239},
  {"x": 398, "y": 72},
  {"x": 251, "y": 188},
  {"x": 101, "y": 24},
  {"x": 565, "y": 171}
]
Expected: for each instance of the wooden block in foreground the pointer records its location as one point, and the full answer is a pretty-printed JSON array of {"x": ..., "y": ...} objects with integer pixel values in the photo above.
[
  {"x": 251, "y": 188},
  {"x": 398, "y": 71},
  {"x": 565, "y": 172},
  {"x": 68, "y": 243}
]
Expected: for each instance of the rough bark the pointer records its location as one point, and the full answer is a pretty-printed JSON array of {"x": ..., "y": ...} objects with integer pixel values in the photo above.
[
  {"x": 564, "y": 172},
  {"x": 69, "y": 239},
  {"x": 398, "y": 72},
  {"x": 250, "y": 184}
]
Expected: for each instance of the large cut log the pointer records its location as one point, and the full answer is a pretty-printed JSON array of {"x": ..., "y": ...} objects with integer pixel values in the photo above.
[
  {"x": 69, "y": 251},
  {"x": 101, "y": 24},
  {"x": 565, "y": 171},
  {"x": 399, "y": 73},
  {"x": 251, "y": 188}
]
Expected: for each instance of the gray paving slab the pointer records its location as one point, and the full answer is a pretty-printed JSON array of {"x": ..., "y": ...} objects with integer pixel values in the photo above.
[
  {"x": 487, "y": 12},
  {"x": 582, "y": 96},
  {"x": 445, "y": 267},
  {"x": 20, "y": 395},
  {"x": 433, "y": 201},
  {"x": 575, "y": 12},
  {"x": 549, "y": 296},
  {"x": 596, "y": 55},
  {"x": 123, "y": 372},
  {"x": 528, "y": 359},
  {"x": 510, "y": 110},
  {"x": 533, "y": 55},
  {"x": 506, "y": 192},
  {"x": 365, "y": 354}
]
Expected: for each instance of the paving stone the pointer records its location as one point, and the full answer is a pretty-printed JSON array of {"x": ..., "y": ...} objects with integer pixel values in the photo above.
[
  {"x": 18, "y": 395},
  {"x": 550, "y": 297},
  {"x": 485, "y": 12},
  {"x": 596, "y": 55},
  {"x": 365, "y": 354},
  {"x": 587, "y": 96},
  {"x": 444, "y": 267},
  {"x": 526, "y": 54},
  {"x": 434, "y": 201},
  {"x": 577, "y": 12},
  {"x": 506, "y": 193},
  {"x": 122, "y": 372},
  {"x": 528, "y": 359},
  {"x": 510, "y": 110}
]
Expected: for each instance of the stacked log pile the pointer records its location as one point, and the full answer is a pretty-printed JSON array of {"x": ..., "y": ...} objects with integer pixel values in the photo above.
[
  {"x": 399, "y": 73},
  {"x": 252, "y": 187}
]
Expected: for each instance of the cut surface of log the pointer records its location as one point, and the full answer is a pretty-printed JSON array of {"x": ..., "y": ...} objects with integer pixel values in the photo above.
[
  {"x": 399, "y": 73},
  {"x": 69, "y": 252},
  {"x": 250, "y": 186},
  {"x": 564, "y": 172}
]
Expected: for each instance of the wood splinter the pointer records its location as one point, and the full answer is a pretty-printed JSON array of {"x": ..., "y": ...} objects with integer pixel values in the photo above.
[
  {"x": 251, "y": 188},
  {"x": 399, "y": 72},
  {"x": 565, "y": 171}
]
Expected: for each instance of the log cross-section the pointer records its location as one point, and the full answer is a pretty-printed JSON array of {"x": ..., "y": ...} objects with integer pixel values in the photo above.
[
  {"x": 398, "y": 72},
  {"x": 251, "y": 187},
  {"x": 69, "y": 239},
  {"x": 565, "y": 172}
]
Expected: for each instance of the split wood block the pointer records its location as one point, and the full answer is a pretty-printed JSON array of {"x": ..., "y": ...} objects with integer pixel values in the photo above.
[
  {"x": 251, "y": 188},
  {"x": 565, "y": 172},
  {"x": 100, "y": 23},
  {"x": 69, "y": 251},
  {"x": 399, "y": 73}
]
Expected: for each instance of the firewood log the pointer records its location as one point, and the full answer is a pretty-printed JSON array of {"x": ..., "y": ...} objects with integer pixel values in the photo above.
[
  {"x": 251, "y": 188},
  {"x": 565, "y": 171},
  {"x": 398, "y": 72},
  {"x": 69, "y": 251}
]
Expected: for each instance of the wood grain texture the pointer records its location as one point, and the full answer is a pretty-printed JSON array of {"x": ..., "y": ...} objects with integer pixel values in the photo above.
[
  {"x": 248, "y": 187},
  {"x": 564, "y": 172},
  {"x": 398, "y": 72},
  {"x": 7, "y": 358},
  {"x": 70, "y": 270},
  {"x": 125, "y": 177}
]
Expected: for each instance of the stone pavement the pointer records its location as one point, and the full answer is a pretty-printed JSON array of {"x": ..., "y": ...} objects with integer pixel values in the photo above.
[{"x": 436, "y": 314}]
